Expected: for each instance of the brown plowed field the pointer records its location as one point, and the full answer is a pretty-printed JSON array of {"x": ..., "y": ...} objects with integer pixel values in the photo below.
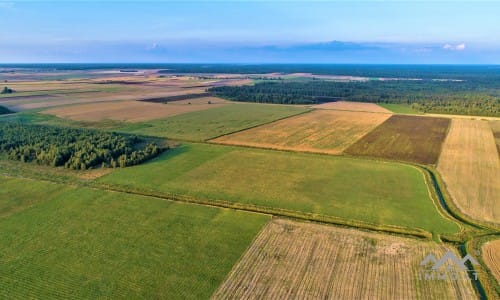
[
  {"x": 405, "y": 138},
  {"x": 323, "y": 131},
  {"x": 291, "y": 260}
]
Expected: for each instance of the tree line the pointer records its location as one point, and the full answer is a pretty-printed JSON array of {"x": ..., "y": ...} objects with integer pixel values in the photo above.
[
  {"x": 424, "y": 95},
  {"x": 77, "y": 149}
]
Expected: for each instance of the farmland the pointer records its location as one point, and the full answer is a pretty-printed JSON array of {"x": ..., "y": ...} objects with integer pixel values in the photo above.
[
  {"x": 292, "y": 181},
  {"x": 249, "y": 200},
  {"x": 206, "y": 124},
  {"x": 291, "y": 260},
  {"x": 470, "y": 167},
  {"x": 323, "y": 131},
  {"x": 131, "y": 111},
  {"x": 495, "y": 127},
  {"x": 65, "y": 242},
  {"x": 405, "y": 138},
  {"x": 353, "y": 106},
  {"x": 491, "y": 255}
]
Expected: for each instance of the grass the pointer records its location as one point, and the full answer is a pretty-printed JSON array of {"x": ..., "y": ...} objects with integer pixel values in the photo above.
[
  {"x": 193, "y": 126},
  {"x": 61, "y": 242},
  {"x": 405, "y": 138},
  {"x": 352, "y": 189},
  {"x": 210, "y": 123},
  {"x": 400, "y": 108}
]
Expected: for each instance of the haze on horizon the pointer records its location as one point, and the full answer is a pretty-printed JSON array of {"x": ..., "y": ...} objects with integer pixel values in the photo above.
[{"x": 444, "y": 32}]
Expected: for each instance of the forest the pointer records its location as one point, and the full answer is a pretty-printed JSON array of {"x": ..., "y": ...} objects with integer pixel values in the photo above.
[
  {"x": 423, "y": 95},
  {"x": 78, "y": 149}
]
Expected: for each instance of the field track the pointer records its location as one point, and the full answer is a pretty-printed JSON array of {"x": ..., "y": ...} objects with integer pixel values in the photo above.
[
  {"x": 322, "y": 131},
  {"x": 470, "y": 167},
  {"x": 405, "y": 138},
  {"x": 491, "y": 256},
  {"x": 290, "y": 260}
]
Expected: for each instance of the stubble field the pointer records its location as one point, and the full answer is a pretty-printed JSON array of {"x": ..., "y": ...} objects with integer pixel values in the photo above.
[
  {"x": 323, "y": 131},
  {"x": 353, "y": 106},
  {"x": 290, "y": 260},
  {"x": 470, "y": 167},
  {"x": 491, "y": 256}
]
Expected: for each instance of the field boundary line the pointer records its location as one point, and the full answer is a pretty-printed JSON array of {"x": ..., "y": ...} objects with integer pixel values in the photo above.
[
  {"x": 236, "y": 263},
  {"x": 261, "y": 124}
]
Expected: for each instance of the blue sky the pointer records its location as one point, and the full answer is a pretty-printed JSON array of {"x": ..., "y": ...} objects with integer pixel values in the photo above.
[{"x": 251, "y": 31}]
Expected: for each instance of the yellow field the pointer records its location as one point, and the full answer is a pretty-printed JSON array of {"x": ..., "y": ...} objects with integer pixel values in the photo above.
[
  {"x": 132, "y": 111},
  {"x": 323, "y": 131},
  {"x": 470, "y": 167},
  {"x": 491, "y": 256},
  {"x": 495, "y": 127},
  {"x": 290, "y": 260},
  {"x": 353, "y": 106}
]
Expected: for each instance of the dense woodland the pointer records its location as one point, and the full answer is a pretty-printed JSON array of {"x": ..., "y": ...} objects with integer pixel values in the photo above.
[
  {"x": 77, "y": 149},
  {"x": 424, "y": 95}
]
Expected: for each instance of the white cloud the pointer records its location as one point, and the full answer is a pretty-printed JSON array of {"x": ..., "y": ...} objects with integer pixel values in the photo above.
[{"x": 458, "y": 47}]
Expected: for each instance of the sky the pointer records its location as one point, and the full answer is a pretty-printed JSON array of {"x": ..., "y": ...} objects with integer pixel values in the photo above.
[{"x": 448, "y": 32}]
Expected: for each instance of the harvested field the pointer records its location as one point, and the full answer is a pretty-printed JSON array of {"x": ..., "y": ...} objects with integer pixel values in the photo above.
[
  {"x": 324, "y": 131},
  {"x": 132, "y": 111},
  {"x": 290, "y": 260},
  {"x": 495, "y": 127},
  {"x": 406, "y": 138},
  {"x": 470, "y": 167},
  {"x": 353, "y": 106},
  {"x": 491, "y": 256}
]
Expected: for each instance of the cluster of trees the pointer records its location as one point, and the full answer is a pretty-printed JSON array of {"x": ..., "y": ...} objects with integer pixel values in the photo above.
[
  {"x": 7, "y": 90},
  {"x": 4, "y": 110},
  {"x": 77, "y": 149},
  {"x": 424, "y": 95}
]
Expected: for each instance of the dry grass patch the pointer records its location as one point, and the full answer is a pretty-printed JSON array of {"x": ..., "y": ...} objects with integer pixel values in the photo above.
[
  {"x": 132, "y": 111},
  {"x": 470, "y": 167},
  {"x": 325, "y": 131},
  {"x": 290, "y": 260},
  {"x": 491, "y": 256},
  {"x": 353, "y": 106}
]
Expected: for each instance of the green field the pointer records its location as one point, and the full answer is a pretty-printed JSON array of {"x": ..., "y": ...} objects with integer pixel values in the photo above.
[
  {"x": 364, "y": 190},
  {"x": 194, "y": 126},
  {"x": 399, "y": 108},
  {"x": 62, "y": 242},
  {"x": 210, "y": 123}
]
